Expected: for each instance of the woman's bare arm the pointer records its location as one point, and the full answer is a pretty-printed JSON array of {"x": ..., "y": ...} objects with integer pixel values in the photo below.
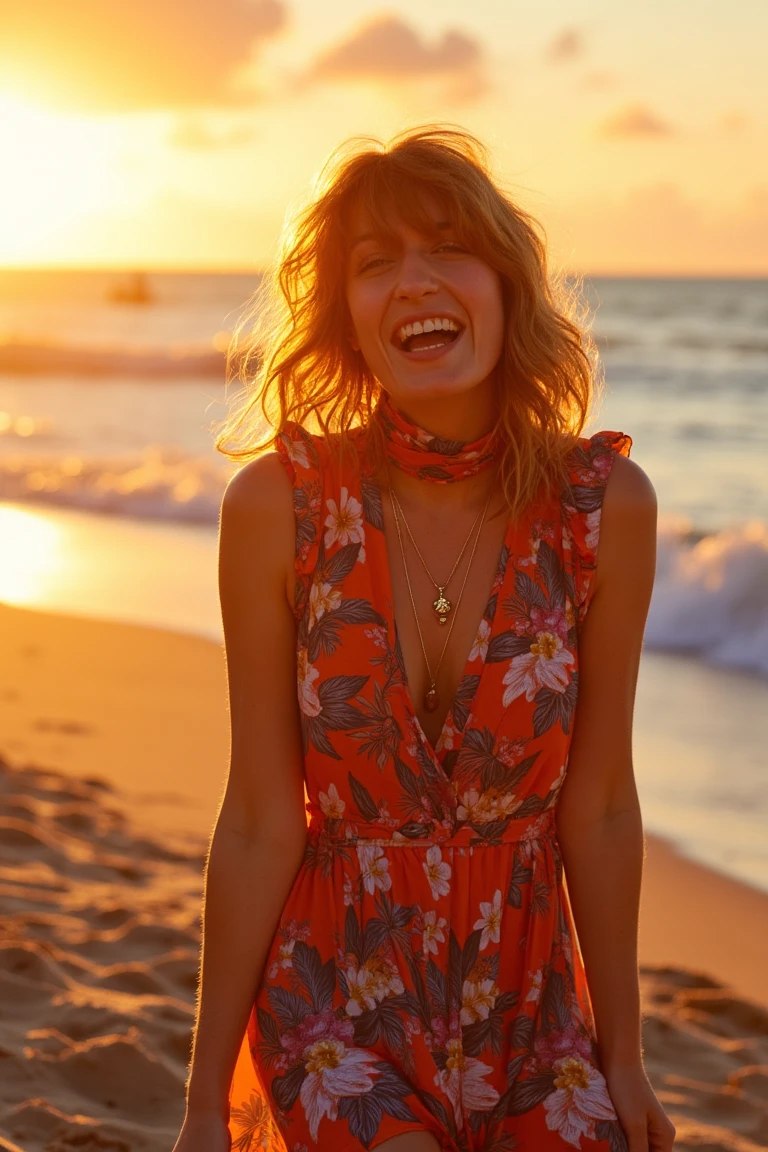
[
  {"x": 260, "y": 829},
  {"x": 599, "y": 823}
]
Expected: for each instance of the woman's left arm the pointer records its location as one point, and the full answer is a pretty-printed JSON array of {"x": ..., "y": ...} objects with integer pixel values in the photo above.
[{"x": 599, "y": 823}]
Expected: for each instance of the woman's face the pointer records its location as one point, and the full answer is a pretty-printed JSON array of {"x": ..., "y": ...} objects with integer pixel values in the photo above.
[{"x": 427, "y": 314}]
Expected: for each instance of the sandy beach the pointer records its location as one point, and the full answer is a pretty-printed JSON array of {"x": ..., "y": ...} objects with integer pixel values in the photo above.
[{"x": 113, "y": 755}]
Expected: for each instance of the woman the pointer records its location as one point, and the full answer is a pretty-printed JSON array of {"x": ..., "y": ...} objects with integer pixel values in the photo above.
[{"x": 419, "y": 548}]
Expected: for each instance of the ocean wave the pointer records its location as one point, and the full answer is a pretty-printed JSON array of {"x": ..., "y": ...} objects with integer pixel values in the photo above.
[
  {"x": 163, "y": 483},
  {"x": 28, "y": 359},
  {"x": 710, "y": 597}
]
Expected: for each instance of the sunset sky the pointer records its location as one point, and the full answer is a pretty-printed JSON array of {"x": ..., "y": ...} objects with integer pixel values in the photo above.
[{"x": 164, "y": 133}]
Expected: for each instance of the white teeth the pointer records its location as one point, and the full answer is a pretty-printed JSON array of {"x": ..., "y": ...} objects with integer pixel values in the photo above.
[{"x": 433, "y": 324}]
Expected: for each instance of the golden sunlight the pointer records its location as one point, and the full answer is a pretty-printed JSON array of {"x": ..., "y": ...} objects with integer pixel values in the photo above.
[
  {"x": 57, "y": 174},
  {"x": 31, "y": 547}
]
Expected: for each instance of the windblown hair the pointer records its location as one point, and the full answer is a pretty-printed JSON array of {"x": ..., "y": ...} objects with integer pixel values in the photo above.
[{"x": 292, "y": 349}]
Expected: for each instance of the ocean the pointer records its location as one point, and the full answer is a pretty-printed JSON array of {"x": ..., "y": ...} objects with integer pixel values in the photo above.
[{"x": 110, "y": 491}]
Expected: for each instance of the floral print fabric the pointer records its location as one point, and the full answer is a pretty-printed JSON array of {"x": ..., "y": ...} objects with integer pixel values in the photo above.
[{"x": 425, "y": 973}]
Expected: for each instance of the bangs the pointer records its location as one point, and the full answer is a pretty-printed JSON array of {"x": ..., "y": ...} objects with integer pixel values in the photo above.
[{"x": 388, "y": 198}]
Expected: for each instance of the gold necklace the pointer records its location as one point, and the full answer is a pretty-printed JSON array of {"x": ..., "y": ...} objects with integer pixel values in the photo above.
[
  {"x": 431, "y": 698},
  {"x": 442, "y": 604}
]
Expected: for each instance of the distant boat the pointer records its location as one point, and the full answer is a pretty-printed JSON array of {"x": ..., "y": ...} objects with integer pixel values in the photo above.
[{"x": 133, "y": 290}]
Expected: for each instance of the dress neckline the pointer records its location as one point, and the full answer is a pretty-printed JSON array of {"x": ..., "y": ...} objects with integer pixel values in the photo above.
[{"x": 381, "y": 573}]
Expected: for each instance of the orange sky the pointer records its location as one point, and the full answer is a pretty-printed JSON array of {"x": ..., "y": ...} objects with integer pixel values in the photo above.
[{"x": 165, "y": 133}]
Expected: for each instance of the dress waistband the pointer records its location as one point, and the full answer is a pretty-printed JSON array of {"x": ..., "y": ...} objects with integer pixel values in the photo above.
[{"x": 514, "y": 830}]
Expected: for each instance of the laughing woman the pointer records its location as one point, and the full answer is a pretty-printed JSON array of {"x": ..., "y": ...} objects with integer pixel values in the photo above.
[{"x": 434, "y": 589}]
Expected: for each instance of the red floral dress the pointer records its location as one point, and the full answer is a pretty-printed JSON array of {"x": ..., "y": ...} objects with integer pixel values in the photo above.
[{"x": 425, "y": 973}]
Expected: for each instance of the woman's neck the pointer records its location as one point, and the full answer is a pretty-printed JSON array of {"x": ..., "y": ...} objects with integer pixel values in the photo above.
[{"x": 464, "y": 419}]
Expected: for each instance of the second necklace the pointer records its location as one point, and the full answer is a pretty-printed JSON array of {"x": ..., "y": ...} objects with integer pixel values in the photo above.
[
  {"x": 442, "y": 605},
  {"x": 431, "y": 698}
]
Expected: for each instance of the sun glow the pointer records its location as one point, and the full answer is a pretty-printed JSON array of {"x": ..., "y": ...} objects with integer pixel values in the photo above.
[
  {"x": 30, "y": 544},
  {"x": 57, "y": 173}
]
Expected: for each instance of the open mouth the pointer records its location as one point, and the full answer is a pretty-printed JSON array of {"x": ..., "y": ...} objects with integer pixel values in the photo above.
[{"x": 427, "y": 335}]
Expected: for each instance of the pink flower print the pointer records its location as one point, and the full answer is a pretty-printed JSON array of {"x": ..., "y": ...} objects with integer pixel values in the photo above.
[
  {"x": 479, "y": 649},
  {"x": 344, "y": 523},
  {"x": 374, "y": 868},
  {"x": 319, "y": 1026},
  {"x": 549, "y": 621},
  {"x": 490, "y": 921},
  {"x": 333, "y": 1071},
  {"x": 579, "y": 1101},
  {"x": 510, "y": 751},
  {"x": 544, "y": 666},
  {"x": 309, "y": 701},
  {"x": 433, "y": 931},
  {"x": 438, "y": 872}
]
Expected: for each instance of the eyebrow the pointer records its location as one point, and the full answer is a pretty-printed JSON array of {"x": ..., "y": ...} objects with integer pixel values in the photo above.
[{"x": 440, "y": 226}]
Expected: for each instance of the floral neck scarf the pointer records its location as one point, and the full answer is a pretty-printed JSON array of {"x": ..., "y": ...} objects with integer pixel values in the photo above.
[{"x": 421, "y": 454}]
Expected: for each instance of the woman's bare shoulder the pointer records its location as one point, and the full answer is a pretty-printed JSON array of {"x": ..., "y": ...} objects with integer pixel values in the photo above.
[
  {"x": 257, "y": 520},
  {"x": 629, "y": 489}
]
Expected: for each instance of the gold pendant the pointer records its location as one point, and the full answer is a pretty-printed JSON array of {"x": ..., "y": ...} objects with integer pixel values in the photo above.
[
  {"x": 442, "y": 606},
  {"x": 431, "y": 699}
]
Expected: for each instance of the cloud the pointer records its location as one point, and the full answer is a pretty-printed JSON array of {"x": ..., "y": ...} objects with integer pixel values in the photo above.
[
  {"x": 567, "y": 45},
  {"x": 388, "y": 49},
  {"x": 196, "y": 134},
  {"x": 133, "y": 55},
  {"x": 635, "y": 121}
]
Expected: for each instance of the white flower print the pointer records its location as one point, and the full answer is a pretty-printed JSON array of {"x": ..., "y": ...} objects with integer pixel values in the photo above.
[
  {"x": 344, "y": 522},
  {"x": 297, "y": 453},
  {"x": 477, "y": 999},
  {"x": 333, "y": 1071},
  {"x": 361, "y": 984},
  {"x": 543, "y": 667},
  {"x": 331, "y": 803},
  {"x": 309, "y": 701},
  {"x": 490, "y": 921},
  {"x": 322, "y": 598},
  {"x": 592, "y": 522},
  {"x": 433, "y": 931},
  {"x": 579, "y": 1100},
  {"x": 284, "y": 953},
  {"x": 438, "y": 872},
  {"x": 374, "y": 868},
  {"x": 479, "y": 649},
  {"x": 537, "y": 983},
  {"x": 463, "y": 1081}
]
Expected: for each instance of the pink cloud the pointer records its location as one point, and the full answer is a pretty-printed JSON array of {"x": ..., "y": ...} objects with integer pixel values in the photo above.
[
  {"x": 388, "y": 49},
  {"x": 635, "y": 121},
  {"x": 567, "y": 45}
]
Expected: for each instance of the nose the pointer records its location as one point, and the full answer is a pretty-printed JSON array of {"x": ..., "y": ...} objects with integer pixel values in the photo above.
[{"x": 416, "y": 277}]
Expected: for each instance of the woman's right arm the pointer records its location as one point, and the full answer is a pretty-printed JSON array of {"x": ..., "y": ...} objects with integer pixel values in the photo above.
[{"x": 260, "y": 831}]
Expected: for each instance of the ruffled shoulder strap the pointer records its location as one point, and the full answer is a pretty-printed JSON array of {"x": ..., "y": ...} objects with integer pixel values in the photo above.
[
  {"x": 303, "y": 457},
  {"x": 589, "y": 466}
]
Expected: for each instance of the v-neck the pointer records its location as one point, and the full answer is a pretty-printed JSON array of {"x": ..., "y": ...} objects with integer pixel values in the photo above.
[{"x": 383, "y": 572}]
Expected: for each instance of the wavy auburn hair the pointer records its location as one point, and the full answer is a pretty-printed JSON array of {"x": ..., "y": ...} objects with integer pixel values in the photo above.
[{"x": 292, "y": 349}]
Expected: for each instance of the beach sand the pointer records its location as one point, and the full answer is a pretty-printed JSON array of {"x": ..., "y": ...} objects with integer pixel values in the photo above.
[{"x": 114, "y": 743}]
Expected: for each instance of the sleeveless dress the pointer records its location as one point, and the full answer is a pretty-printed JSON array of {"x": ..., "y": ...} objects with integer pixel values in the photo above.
[{"x": 425, "y": 972}]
